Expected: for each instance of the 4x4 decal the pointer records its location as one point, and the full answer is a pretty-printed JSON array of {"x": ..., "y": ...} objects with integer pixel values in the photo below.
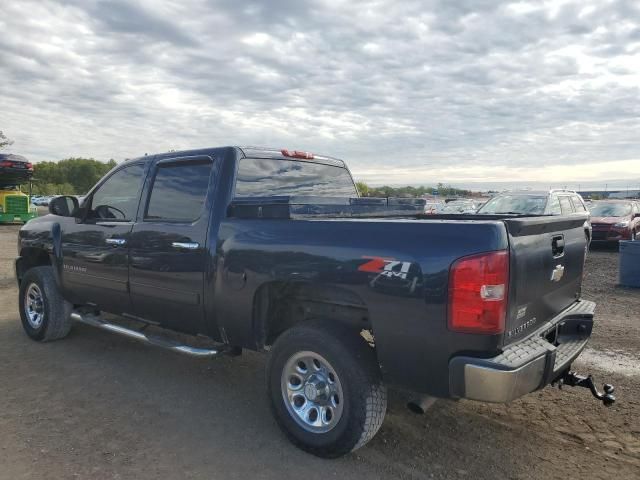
[{"x": 387, "y": 267}]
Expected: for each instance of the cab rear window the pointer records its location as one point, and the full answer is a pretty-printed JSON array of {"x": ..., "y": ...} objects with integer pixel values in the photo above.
[{"x": 259, "y": 177}]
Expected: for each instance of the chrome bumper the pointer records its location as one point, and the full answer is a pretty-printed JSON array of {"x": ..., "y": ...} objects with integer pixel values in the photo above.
[{"x": 525, "y": 366}]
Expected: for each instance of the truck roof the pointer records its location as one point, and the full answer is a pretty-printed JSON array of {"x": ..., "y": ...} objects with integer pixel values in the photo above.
[
  {"x": 13, "y": 157},
  {"x": 265, "y": 152},
  {"x": 259, "y": 152}
]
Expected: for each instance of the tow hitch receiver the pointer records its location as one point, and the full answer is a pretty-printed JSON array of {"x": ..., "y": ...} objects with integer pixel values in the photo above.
[{"x": 572, "y": 379}]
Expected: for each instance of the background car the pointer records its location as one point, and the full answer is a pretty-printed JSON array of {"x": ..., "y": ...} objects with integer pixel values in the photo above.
[
  {"x": 433, "y": 207},
  {"x": 41, "y": 201},
  {"x": 460, "y": 206},
  {"x": 551, "y": 202},
  {"x": 615, "y": 220},
  {"x": 15, "y": 169}
]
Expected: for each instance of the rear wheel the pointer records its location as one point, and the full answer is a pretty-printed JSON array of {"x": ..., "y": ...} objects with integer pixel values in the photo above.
[
  {"x": 325, "y": 389},
  {"x": 43, "y": 311}
]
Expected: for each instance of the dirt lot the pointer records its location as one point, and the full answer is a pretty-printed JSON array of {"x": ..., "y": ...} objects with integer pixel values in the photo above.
[{"x": 98, "y": 406}]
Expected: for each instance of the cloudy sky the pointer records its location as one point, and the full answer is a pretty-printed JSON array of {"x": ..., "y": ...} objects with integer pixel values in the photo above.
[{"x": 405, "y": 91}]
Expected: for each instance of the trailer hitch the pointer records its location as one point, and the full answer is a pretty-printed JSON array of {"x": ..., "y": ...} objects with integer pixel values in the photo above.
[{"x": 572, "y": 379}]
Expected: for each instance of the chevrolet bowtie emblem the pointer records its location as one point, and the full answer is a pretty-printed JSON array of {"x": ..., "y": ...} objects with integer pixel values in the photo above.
[{"x": 557, "y": 273}]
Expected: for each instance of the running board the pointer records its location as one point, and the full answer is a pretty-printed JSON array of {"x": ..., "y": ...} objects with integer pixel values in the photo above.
[{"x": 96, "y": 321}]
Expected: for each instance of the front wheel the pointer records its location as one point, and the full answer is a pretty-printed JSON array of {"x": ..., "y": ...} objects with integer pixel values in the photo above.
[
  {"x": 325, "y": 389},
  {"x": 43, "y": 311}
]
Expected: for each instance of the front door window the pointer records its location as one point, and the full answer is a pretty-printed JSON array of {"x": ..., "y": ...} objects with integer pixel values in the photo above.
[{"x": 117, "y": 198}]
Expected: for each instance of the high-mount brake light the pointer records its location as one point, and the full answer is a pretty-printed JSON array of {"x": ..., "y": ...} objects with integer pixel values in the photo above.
[
  {"x": 297, "y": 154},
  {"x": 478, "y": 293}
]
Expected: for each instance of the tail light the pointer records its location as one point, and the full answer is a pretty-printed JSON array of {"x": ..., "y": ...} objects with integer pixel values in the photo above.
[
  {"x": 478, "y": 293},
  {"x": 297, "y": 154},
  {"x": 6, "y": 163},
  {"x": 29, "y": 166}
]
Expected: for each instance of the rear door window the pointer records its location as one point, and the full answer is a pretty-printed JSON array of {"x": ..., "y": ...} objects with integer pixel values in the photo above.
[
  {"x": 179, "y": 190},
  {"x": 577, "y": 204},
  {"x": 565, "y": 204},
  {"x": 554, "y": 206}
]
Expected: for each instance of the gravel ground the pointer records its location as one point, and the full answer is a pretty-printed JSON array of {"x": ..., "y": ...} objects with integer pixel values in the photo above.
[{"x": 102, "y": 407}]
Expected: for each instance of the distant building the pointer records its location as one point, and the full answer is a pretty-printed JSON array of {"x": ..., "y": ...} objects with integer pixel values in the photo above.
[{"x": 631, "y": 193}]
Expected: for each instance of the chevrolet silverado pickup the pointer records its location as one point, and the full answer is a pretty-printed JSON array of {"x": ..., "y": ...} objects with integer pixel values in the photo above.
[{"x": 274, "y": 251}]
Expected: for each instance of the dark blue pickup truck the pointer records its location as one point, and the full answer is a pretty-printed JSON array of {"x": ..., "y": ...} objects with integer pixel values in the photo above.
[{"x": 272, "y": 250}]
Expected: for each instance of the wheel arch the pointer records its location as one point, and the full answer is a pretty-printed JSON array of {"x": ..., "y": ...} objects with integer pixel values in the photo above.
[
  {"x": 29, "y": 258},
  {"x": 278, "y": 306}
]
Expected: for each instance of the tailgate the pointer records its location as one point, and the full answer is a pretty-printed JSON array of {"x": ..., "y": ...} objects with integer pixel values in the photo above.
[{"x": 546, "y": 266}]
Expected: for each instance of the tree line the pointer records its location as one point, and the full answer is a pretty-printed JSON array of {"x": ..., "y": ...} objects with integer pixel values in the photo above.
[
  {"x": 76, "y": 176},
  {"x": 71, "y": 176},
  {"x": 440, "y": 190}
]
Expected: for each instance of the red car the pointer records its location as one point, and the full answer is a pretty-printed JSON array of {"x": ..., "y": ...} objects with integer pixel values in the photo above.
[
  {"x": 14, "y": 169},
  {"x": 614, "y": 220}
]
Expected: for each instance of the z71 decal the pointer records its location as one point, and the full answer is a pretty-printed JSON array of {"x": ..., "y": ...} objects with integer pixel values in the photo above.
[{"x": 387, "y": 267}]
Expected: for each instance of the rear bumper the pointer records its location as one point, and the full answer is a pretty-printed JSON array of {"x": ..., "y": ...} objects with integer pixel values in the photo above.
[{"x": 525, "y": 366}]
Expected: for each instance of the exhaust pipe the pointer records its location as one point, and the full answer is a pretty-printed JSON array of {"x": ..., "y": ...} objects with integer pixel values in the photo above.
[
  {"x": 157, "y": 341},
  {"x": 419, "y": 405}
]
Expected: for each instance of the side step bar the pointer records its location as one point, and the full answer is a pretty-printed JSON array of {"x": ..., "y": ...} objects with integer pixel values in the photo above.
[{"x": 96, "y": 321}]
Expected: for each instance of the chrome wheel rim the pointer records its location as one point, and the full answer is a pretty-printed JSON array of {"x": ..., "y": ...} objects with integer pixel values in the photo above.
[
  {"x": 312, "y": 392},
  {"x": 34, "y": 306}
]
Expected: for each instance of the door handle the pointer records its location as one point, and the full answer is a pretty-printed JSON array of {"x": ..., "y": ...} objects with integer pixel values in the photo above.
[
  {"x": 116, "y": 242},
  {"x": 557, "y": 246},
  {"x": 186, "y": 245}
]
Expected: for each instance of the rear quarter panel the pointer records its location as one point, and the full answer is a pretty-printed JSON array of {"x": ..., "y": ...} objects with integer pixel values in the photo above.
[{"x": 408, "y": 315}]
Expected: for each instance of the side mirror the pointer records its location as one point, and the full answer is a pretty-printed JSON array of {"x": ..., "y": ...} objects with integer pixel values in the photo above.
[{"x": 64, "y": 206}]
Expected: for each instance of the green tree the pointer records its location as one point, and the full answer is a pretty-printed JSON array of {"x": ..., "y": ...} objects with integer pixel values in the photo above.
[
  {"x": 411, "y": 192},
  {"x": 70, "y": 176},
  {"x": 4, "y": 141},
  {"x": 363, "y": 188}
]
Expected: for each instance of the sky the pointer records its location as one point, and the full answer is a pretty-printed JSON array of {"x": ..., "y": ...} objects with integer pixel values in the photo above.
[{"x": 406, "y": 92}]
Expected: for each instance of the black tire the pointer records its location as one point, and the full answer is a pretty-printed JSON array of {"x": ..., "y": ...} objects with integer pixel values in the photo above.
[
  {"x": 55, "y": 322},
  {"x": 364, "y": 401}
]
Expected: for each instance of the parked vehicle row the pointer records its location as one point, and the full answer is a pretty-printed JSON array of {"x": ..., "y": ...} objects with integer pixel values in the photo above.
[
  {"x": 610, "y": 220},
  {"x": 41, "y": 200}
]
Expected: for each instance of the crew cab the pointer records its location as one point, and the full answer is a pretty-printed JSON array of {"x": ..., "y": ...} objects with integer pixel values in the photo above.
[{"x": 272, "y": 250}]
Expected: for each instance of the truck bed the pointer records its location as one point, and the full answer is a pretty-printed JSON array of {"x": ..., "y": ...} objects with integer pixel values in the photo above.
[{"x": 326, "y": 241}]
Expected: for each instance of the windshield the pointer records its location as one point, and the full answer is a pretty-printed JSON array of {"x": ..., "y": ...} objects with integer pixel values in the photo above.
[
  {"x": 611, "y": 209},
  {"x": 521, "y": 204},
  {"x": 458, "y": 207}
]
